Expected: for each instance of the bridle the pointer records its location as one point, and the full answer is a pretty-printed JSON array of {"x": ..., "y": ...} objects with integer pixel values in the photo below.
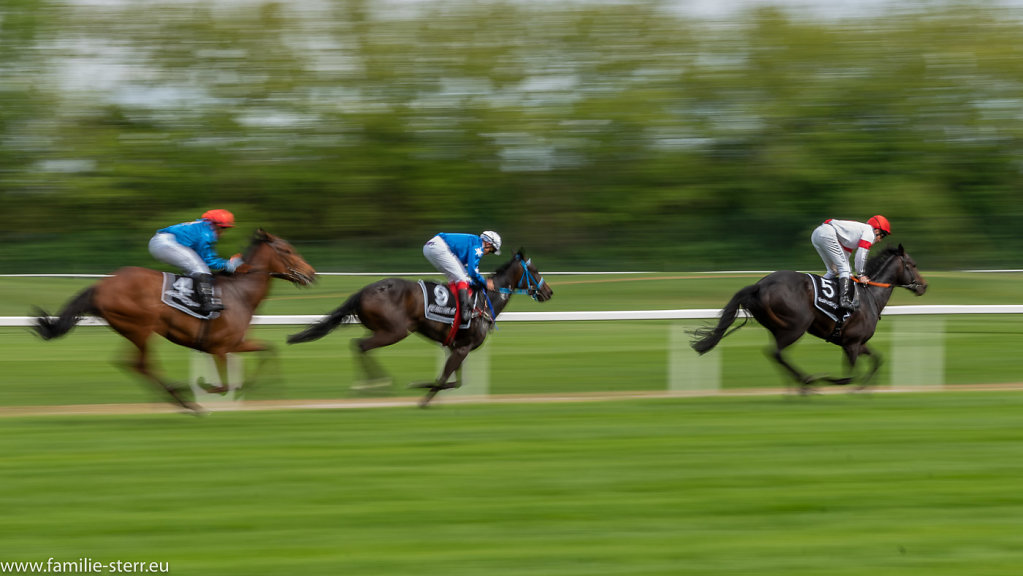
[
  {"x": 531, "y": 284},
  {"x": 292, "y": 275}
]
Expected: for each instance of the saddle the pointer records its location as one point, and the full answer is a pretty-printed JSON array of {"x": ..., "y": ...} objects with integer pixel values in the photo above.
[
  {"x": 825, "y": 298},
  {"x": 439, "y": 302},
  {"x": 178, "y": 293}
]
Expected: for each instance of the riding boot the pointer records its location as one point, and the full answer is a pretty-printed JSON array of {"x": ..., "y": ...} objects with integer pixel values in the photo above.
[
  {"x": 463, "y": 303},
  {"x": 846, "y": 294},
  {"x": 208, "y": 303}
]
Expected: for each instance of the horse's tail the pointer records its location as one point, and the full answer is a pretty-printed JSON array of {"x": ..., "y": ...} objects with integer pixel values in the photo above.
[
  {"x": 707, "y": 338},
  {"x": 328, "y": 323},
  {"x": 50, "y": 328}
]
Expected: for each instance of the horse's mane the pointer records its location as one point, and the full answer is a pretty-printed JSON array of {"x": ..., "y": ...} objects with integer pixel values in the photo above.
[
  {"x": 874, "y": 263},
  {"x": 260, "y": 236},
  {"x": 504, "y": 267}
]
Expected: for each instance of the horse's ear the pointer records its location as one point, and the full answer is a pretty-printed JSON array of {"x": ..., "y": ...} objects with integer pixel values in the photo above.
[
  {"x": 902, "y": 251},
  {"x": 520, "y": 254},
  {"x": 261, "y": 235}
]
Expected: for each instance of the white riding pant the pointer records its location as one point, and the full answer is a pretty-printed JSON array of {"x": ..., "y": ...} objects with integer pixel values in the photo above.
[
  {"x": 439, "y": 254},
  {"x": 165, "y": 248},
  {"x": 825, "y": 240}
]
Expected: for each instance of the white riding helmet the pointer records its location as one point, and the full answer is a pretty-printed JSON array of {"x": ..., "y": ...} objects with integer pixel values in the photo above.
[{"x": 493, "y": 238}]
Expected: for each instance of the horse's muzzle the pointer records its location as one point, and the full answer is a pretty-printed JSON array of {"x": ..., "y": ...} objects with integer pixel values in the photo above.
[
  {"x": 297, "y": 277},
  {"x": 543, "y": 293}
]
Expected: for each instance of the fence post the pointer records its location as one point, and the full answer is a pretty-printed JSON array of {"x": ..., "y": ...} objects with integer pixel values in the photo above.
[
  {"x": 687, "y": 370},
  {"x": 203, "y": 369},
  {"x": 918, "y": 351}
]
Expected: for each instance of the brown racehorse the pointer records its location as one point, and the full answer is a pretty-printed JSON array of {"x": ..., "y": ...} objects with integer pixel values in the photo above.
[
  {"x": 783, "y": 303},
  {"x": 129, "y": 301},
  {"x": 392, "y": 308}
]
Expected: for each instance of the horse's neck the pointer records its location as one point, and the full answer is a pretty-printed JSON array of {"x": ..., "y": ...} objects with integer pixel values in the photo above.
[
  {"x": 253, "y": 286},
  {"x": 499, "y": 299},
  {"x": 250, "y": 287},
  {"x": 880, "y": 294}
]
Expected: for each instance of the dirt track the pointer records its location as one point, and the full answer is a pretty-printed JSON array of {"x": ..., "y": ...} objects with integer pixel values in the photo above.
[{"x": 450, "y": 399}]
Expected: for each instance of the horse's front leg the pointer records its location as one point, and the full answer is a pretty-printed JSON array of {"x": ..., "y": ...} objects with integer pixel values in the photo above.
[
  {"x": 875, "y": 365},
  {"x": 267, "y": 353},
  {"x": 453, "y": 365}
]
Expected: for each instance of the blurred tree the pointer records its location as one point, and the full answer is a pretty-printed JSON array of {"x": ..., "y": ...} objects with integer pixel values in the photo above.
[{"x": 603, "y": 135}]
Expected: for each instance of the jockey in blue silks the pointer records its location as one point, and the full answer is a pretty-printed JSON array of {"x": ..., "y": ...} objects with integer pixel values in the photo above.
[
  {"x": 458, "y": 257},
  {"x": 190, "y": 246}
]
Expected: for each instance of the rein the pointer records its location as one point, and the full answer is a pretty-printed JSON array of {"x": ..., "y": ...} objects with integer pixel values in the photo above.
[{"x": 910, "y": 286}]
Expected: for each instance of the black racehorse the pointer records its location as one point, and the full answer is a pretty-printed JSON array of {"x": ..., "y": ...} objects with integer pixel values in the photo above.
[
  {"x": 783, "y": 302},
  {"x": 392, "y": 308}
]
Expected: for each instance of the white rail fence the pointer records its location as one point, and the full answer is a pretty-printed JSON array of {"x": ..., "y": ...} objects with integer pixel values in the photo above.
[{"x": 916, "y": 357}]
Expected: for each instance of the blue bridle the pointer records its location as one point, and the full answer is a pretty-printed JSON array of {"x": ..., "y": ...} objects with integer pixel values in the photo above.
[{"x": 532, "y": 286}]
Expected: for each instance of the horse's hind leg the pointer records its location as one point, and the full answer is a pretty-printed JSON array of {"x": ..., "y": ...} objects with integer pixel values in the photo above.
[
  {"x": 142, "y": 366},
  {"x": 375, "y": 376},
  {"x": 782, "y": 341}
]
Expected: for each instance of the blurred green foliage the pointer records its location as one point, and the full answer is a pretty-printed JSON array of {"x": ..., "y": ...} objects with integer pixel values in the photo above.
[{"x": 602, "y": 135}]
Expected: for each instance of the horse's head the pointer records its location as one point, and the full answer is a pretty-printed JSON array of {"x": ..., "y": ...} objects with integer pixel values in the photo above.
[
  {"x": 276, "y": 256},
  {"x": 520, "y": 276},
  {"x": 894, "y": 266},
  {"x": 907, "y": 275}
]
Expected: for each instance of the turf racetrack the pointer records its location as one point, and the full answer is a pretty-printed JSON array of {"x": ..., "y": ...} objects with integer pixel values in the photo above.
[
  {"x": 839, "y": 484},
  {"x": 835, "y": 484}
]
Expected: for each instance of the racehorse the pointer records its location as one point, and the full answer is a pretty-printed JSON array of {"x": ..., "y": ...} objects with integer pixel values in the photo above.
[
  {"x": 783, "y": 302},
  {"x": 392, "y": 308},
  {"x": 129, "y": 301}
]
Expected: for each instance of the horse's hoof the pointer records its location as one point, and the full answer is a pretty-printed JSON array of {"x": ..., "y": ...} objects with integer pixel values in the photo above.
[
  {"x": 211, "y": 389},
  {"x": 197, "y": 410},
  {"x": 424, "y": 402}
]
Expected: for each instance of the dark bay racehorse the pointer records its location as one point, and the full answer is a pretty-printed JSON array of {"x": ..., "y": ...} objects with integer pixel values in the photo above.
[
  {"x": 392, "y": 308},
  {"x": 129, "y": 301},
  {"x": 783, "y": 303}
]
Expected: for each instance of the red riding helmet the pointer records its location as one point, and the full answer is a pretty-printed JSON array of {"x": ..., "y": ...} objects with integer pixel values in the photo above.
[
  {"x": 880, "y": 222},
  {"x": 221, "y": 218}
]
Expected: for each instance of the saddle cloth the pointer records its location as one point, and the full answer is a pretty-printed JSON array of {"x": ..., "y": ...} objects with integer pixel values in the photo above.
[
  {"x": 179, "y": 294},
  {"x": 825, "y": 297},
  {"x": 439, "y": 303}
]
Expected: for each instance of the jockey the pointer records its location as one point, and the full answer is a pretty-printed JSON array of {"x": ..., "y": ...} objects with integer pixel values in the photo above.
[
  {"x": 458, "y": 257},
  {"x": 190, "y": 246},
  {"x": 834, "y": 238}
]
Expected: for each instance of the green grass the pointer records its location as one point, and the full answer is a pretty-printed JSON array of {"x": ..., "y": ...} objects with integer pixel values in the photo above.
[{"x": 922, "y": 484}]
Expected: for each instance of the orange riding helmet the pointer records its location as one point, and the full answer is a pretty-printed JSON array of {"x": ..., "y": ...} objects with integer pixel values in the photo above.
[
  {"x": 219, "y": 217},
  {"x": 881, "y": 223}
]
